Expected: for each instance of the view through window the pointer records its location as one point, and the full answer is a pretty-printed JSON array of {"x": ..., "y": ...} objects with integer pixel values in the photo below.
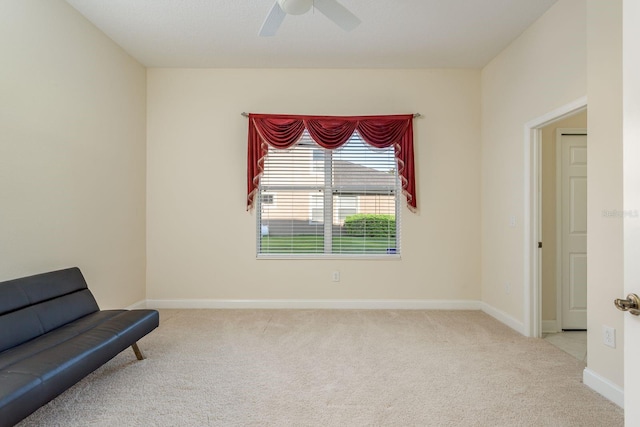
[{"x": 314, "y": 201}]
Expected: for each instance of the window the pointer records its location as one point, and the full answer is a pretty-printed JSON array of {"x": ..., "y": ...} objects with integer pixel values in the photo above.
[
  {"x": 341, "y": 202},
  {"x": 266, "y": 199}
]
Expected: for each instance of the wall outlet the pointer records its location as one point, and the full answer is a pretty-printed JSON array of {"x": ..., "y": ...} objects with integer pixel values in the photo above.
[
  {"x": 609, "y": 336},
  {"x": 512, "y": 221},
  {"x": 507, "y": 288},
  {"x": 335, "y": 276}
]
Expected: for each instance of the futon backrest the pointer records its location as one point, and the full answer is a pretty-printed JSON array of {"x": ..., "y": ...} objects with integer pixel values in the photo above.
[{"x": 34, "y": 305}]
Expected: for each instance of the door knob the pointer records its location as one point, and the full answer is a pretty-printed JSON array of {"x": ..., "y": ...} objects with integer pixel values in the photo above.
[{"x": 631, "y": 304}]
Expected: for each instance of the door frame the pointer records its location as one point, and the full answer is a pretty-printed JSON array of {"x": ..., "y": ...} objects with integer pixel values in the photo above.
[
  {"x": 631, "y": 177},
  {"x": 532, "y": 221},
  {"x": 559, "y": 229}
]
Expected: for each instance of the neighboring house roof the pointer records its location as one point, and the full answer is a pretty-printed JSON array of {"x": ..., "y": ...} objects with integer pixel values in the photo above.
[{"x": 349, "y": 174}]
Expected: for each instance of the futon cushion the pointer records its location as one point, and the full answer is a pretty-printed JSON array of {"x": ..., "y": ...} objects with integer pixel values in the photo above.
[
  {"x": 18, "y": 293},
  {"x": 35, "y": 305},
  {"x": 53, "y": 338}
]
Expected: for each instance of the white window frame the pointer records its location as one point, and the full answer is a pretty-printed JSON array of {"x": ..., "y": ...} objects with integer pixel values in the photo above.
[
  {"x": 270, "y": 205},
  {"x": 329, "y": 193}
]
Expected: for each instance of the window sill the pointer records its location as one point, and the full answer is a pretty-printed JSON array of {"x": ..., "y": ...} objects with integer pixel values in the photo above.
[{"x": 394, "y": 257}]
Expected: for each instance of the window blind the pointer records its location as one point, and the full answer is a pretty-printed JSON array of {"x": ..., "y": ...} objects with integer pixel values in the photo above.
[{"x": 319, "y": 202}]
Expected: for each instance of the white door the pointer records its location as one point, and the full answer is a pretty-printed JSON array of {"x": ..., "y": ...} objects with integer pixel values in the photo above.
[
  {"x": 573, "y": 233},
  {"x": 631, "y": 181}
]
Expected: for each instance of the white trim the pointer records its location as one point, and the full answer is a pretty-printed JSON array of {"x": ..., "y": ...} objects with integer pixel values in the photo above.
[
  {"x": 532, "y": 292},
  {"x": 533, "y": 232},
  {"x": 137, "y": 305},
  {"x": 550, "y": 327},
  {"x": 559, "y": 258},
  {"x": 603, "y": 386},
  {"x": 558, "y": 114},
  {"x": 503, "y": 317},
  {"x": 317, "y": 304}
]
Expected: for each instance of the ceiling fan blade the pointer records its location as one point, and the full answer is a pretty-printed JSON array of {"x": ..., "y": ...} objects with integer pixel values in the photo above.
[
  {"x": 337, "y": 13},
  {"x": 273, "y": 21}
]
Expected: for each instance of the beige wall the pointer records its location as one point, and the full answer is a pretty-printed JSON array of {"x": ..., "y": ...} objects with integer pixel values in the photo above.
[
  {"x": 544, "y": 69},
  {"x": 201, "y": 241},
  {"x": 72, "y": 151},
  {"x": 549, "y": 253},
  {"x": 605, "y": 243}
]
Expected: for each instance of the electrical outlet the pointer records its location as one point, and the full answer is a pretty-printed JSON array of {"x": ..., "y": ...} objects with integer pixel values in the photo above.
[
  {"x": 507, "y": 288},
  {"x": 512, "y": 221},
  {"x": 335, "y": 276},
  {"x": 609, "y": 336}
]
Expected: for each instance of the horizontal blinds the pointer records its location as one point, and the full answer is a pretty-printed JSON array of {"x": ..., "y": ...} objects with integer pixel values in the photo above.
[{"x": 314, "y": 201}]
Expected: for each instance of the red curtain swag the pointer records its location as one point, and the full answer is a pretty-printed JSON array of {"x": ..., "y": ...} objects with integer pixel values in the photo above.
[{"x": 331, "y": 132}]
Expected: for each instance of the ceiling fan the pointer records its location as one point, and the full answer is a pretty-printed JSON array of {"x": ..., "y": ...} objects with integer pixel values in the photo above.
[{"x": 329, "y": 8}]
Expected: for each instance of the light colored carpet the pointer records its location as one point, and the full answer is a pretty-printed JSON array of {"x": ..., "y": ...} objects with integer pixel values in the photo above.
[{"x": 333, "y": 368}]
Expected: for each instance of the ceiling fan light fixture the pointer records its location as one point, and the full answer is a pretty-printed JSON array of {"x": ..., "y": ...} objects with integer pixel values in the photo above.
[{"x": 295, "y": 7}]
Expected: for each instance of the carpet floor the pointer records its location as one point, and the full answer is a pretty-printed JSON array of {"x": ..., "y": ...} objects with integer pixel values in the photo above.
[{"x": 333, "y": 368}]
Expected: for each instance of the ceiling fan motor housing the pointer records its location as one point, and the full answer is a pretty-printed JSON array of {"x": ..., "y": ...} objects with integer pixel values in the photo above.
[{"x": 295, "y": 7}]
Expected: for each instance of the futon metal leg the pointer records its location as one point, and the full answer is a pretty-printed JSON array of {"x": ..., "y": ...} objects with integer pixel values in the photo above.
[{"x": 137, "y": 351}]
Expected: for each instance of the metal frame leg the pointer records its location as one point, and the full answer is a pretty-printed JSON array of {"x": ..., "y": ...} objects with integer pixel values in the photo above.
[{"x": 137, "y": 351}]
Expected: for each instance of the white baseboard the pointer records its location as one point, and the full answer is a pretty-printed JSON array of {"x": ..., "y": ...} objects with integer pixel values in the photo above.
[
  {"x": 408, "y": 304},
  {"x": 550, "y": 327},
  {"x": 503, "y": 317},
  {"x": 137, "y": 305},
  {"x": 603, "y": 386}
]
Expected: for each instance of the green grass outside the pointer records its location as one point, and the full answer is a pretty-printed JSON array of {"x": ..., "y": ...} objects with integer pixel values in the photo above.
[{"x": 310, "y": 244}]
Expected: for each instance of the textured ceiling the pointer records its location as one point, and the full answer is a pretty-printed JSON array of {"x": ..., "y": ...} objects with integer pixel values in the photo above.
[{"x": 393, "y": 34}]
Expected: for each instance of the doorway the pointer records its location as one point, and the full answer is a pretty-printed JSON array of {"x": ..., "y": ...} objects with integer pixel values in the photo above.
[
  {"x": 541, "y": 308},
  {"x": 563, "y": 234}
]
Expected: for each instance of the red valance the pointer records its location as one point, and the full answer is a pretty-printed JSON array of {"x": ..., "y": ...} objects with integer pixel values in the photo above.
[{"x": 331, "y": 132}]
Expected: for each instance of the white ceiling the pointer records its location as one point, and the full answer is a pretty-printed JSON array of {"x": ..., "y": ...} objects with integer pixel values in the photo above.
[{"x": 393, "y": 34}]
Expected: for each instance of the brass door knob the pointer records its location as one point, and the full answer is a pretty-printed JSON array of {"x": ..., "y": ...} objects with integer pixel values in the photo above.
[{"x": 631, "y": 304}]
